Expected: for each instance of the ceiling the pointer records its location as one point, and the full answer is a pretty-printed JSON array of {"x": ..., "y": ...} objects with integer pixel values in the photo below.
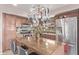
[{"x": 24, "y": 9}]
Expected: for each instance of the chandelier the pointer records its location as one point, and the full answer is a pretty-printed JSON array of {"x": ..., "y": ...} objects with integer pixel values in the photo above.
[{"x": 39, "y": 14}]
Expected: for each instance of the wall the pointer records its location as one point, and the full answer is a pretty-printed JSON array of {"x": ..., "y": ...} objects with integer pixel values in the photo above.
[{"x": 0, "y": 33}]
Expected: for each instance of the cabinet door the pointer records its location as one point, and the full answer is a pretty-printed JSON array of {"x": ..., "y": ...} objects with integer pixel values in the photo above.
[
  {"x": 21, "y": 20},
  {"x": 9, "y": 30}
]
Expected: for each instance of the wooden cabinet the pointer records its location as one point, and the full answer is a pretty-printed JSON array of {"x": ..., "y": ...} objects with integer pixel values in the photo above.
[
  {"x": 50, "y": 36},
  {"x": 20, "y": 20},
  {"x": 9, "y": 28}
]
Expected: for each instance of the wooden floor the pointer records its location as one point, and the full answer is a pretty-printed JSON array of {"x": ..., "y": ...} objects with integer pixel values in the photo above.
[{"x": 8, "y": 52}]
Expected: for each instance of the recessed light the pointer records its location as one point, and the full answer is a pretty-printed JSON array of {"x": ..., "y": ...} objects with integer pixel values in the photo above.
[{"x": 14, "y": 4}]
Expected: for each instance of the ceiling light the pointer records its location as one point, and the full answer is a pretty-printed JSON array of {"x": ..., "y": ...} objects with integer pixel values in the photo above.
[{"x": 14, "y": 4}]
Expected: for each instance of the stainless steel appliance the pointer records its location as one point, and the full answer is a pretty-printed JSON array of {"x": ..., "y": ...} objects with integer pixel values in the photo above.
[{"x": 69, "y": 33}]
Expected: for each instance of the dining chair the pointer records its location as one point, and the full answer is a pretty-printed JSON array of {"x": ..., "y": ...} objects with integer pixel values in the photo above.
[
  {"x": 13, "y": 47},
  {"x": 22, "y": 51}
]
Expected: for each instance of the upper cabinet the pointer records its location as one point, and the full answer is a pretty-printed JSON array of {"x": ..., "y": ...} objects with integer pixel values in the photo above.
[{"x": 71, "y": 13}]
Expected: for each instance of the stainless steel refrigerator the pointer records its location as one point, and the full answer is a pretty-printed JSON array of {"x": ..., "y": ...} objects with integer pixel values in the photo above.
[{"x": 69, "y": 32}]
